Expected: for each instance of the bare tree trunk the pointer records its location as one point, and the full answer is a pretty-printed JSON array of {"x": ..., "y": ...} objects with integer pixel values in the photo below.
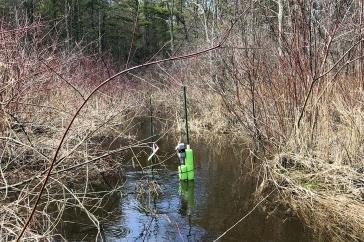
[
  {"x": 100, "y": 35},
  {"x": 360, "y": 62},
  {"x": 171, "y": 30},
  {"x": 3, "y": 81},
  {"x": 66, "y": 17},
  {"x": 172, "y": 19},
  {"x": 280, "y": 25},
  {"x": 16, "y": 17}
]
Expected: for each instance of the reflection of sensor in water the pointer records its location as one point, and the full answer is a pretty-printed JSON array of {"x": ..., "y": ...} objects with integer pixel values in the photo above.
[{"x": 187, "y": 193}]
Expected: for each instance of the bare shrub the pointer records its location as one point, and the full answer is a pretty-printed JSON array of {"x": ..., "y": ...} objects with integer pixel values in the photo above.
[{"x": 39, "y": 93}]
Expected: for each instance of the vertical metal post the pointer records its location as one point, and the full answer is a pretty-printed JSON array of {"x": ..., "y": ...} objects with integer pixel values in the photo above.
[{"x": 186, "y": 114}]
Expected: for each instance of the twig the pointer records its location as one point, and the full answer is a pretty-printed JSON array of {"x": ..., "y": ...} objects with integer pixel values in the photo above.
[
  {"x": 245, "y": 216},
  {"x": 60, "y": 76},
  {"x": 180, "y": 57}
]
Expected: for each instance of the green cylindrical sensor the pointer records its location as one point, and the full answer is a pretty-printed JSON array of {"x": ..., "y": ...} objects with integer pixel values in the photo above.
[
  {"x": 189, "y": 163},
  {"x": 185, "y": 160},
  {"x": 182, "y": 172}
]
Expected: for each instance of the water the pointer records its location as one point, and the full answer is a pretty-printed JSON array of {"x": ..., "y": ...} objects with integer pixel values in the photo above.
[{"x": 221, "y": 194}]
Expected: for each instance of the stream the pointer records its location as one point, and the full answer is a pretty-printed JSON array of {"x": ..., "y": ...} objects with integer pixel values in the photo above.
[{"x": 221, "y": 194}]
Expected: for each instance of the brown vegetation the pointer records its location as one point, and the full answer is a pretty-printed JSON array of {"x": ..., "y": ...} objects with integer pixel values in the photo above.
[
  {"x": 294, "y": 86},
  {"x": 39, "y": 95}
]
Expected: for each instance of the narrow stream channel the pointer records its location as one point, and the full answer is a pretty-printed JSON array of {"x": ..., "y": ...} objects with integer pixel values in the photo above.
[{"x": 200, "y": 211}]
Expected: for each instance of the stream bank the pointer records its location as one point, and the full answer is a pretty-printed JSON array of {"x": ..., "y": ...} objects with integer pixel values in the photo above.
[{"x": 153, "y": 205}]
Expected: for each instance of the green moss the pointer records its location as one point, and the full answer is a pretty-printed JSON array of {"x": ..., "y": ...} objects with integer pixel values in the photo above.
[{"x": 311, "y": 185}]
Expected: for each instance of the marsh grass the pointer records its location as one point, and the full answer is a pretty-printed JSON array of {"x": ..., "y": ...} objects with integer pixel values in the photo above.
[
  {"x": 38, "y": 96},
  {"x": 321, "y": 170},
  {"x": 312, "y": 154},
  {"x": 315, "y": 161}
]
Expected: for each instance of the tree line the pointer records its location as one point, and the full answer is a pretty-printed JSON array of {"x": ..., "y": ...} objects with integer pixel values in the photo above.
[{"x": 118, "y": 27}]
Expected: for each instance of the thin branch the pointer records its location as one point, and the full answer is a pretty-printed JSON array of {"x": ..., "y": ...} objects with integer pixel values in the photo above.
[
  {"x": 181, "y": 57},
  {"x": 314, "y": 80},
  {"x": 64, "y": 79}
]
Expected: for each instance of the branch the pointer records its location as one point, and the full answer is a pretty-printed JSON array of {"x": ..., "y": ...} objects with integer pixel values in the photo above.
[
  {"x": 60, "y": 76},
  {"x": 321, "y": 76},
  {"x": 180, "y": 57}
]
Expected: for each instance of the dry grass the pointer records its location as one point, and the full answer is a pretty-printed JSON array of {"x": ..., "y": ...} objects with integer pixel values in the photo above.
[
  {"x": 318, "y": 166},
  {"x": 328, "y": 197},
  {"x": 322, "y": 174},
  {"x": 38, "y": 96}
]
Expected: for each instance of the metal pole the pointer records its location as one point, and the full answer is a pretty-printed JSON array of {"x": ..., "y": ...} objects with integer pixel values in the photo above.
[{"x": 186, "y": 114}]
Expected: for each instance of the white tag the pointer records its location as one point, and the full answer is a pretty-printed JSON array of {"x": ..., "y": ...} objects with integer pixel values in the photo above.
[{"x": 155, "y": 148}]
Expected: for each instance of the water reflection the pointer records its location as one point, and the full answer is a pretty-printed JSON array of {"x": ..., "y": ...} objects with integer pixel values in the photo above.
[
  {"x": 171, "y": 210},
  {"x": 187, "y": 193},
  {"x": 187, "y": 196}
]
